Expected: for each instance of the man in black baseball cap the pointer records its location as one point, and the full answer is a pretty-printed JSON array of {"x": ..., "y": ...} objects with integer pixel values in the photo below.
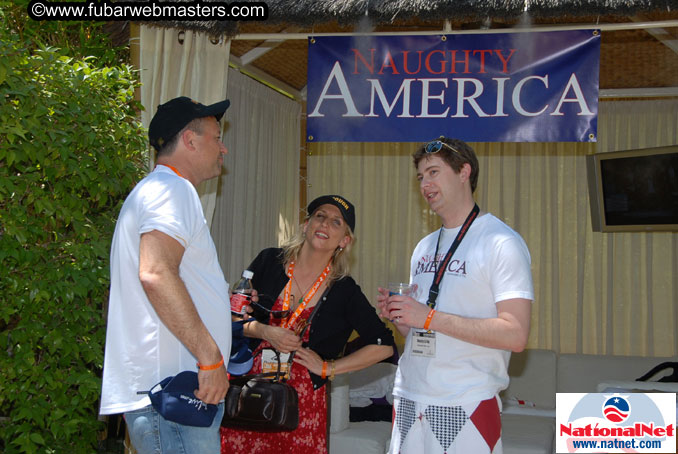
[
  {"x": 175, "y": 114},
  {"x": 162, "y": 321},
  {"x": 187, "y": 136}
]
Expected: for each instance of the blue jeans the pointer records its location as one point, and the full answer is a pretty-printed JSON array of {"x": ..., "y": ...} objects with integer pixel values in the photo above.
[{"x": 150, "y": 433}]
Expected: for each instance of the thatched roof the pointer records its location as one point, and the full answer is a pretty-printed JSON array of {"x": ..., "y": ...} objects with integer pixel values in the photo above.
[
  {"x": 307, "y": 13},
  {"x": 275, "y": 50},
  {"x": 385, "y": 11}
]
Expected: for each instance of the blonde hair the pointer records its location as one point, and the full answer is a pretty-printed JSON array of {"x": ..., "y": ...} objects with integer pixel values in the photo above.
[{"x": 340, "y": 258}]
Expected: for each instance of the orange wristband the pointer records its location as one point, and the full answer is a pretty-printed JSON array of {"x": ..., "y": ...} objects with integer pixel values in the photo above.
[
  {"x": 211, "y": 367},
  {"x": 429, "y": 317},
  {"x": 324, "y": 372}
]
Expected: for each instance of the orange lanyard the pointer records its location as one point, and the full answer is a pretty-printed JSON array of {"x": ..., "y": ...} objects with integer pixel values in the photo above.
[
  {"x": 174, "y": 169},
  {"x": 289, "y": 321}
]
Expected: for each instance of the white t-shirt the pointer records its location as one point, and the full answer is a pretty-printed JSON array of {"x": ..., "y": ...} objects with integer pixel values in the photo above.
[
  {"x": 140, "y": 350},
  {"x": 491, "y": 264}
]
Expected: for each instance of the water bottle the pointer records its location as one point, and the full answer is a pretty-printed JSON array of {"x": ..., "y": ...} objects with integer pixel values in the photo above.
[{"x": 241, "y": 293}]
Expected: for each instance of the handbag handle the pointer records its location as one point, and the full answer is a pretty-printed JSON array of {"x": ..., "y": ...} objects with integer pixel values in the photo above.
[{"x": 275, "y": 375}]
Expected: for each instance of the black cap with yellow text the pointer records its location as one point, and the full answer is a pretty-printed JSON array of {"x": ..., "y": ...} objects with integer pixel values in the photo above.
[{"x": 345, "y": 207}]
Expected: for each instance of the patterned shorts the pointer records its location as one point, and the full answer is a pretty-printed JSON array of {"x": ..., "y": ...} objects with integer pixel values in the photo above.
[{"x": 473, "y": 428}]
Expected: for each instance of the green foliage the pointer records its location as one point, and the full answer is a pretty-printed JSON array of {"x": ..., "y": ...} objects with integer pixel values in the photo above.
[
  {"x": 71, "y": 148},
  {"x": 72, "y": 38}
]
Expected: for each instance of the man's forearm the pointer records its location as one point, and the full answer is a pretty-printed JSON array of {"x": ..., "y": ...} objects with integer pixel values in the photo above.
[
  {"x": 172, "y": 302},
  {"x": 507, "y": 331},
  {"x": 159, "y": 258}
]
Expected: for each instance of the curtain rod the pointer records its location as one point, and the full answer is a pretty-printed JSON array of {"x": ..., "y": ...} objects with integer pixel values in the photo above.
[{"x": 445, "y": 31}]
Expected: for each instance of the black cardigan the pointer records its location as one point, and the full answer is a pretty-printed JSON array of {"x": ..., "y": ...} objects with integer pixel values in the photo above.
[{"x": 345, "y": 309}]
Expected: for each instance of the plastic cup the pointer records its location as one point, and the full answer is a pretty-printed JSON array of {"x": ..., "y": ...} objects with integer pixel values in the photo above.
[{"x": 399, "y": 288}]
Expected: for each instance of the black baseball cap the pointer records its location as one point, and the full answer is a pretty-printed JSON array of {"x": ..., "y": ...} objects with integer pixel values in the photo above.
[
  {"x": 175, "y": 114},
  {"x": 345, "y": 207}
]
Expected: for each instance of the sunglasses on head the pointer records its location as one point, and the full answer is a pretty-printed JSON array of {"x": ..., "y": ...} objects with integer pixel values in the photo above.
[{"x": 437, "y": 145}]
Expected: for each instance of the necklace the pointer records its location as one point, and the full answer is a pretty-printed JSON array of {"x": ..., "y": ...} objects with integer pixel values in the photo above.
[
  {"x": 303, "y": 292},
  {"x": 289, "y": 321}
]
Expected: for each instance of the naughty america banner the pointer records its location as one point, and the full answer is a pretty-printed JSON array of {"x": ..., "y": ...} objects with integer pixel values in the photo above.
[{"x": 503, "y": 87}]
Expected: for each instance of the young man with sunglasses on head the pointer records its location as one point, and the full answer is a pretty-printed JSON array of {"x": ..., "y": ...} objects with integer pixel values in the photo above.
[{"x": 470, "y": 308}]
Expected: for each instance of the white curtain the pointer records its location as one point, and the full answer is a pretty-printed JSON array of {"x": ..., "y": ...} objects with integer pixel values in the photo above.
[
  {"x": 602, "y": 293},
  {"x": 258, "y": 196},
  {"x": 183, "y": 63}
]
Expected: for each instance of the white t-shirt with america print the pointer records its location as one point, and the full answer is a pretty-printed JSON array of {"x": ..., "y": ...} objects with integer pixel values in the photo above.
[{"x": 491, "y": 264}]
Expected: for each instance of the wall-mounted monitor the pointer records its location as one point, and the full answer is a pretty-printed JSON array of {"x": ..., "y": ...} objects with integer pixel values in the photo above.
[{"x": 634, "y": 190}]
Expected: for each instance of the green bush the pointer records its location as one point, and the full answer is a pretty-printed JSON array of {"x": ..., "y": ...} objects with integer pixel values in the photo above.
[
  {"x": 73, "y": 38},
  {"x": 71, "y": 148}
]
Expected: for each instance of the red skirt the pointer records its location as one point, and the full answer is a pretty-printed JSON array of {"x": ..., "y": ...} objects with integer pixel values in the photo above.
[{"x": 311, "y": 435}]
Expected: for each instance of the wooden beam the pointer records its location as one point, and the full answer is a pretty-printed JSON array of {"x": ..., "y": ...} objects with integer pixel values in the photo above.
[
  {"x": 661, "y": 35},
  {"x": 265, "y": 47},
  {"x": 538, "y": 28},
  {"x": 265, "y": 78},
  {"x": 650, "y": 92}
]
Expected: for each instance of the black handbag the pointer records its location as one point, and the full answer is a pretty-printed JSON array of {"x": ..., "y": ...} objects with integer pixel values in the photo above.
[
  {"x": 262, "y": 403},
  {"x": 265, "y": 402}
]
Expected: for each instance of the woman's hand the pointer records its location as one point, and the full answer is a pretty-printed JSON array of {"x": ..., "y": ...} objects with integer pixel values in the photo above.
[
  {"x": 310, "y": 360},
  {"x": 282, "y": 339}
]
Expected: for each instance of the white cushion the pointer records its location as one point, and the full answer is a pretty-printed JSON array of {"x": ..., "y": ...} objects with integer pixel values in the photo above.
[
  {"x": 522, "y": 434},
  {"x": 366, "y": 437},
  {"x": 375, "y": 381},
  {"x": 339, "y": 411},
  {"x": 533, "y": 378},
  {"x": 513, "y": 409},
  {"x": 582, "y": 373}
]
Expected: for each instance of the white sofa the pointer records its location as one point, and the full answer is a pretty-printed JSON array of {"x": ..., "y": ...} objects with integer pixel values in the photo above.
[
  {"x": 537, "y": 375},
  {"x": 365, "y": 437},
  {"x": 528, "y": 418}
]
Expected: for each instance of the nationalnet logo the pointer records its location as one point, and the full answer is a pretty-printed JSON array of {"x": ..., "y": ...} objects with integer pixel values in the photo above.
[
  {"x": 616, "y": 409},
  {"x": 614, "y": 422}
]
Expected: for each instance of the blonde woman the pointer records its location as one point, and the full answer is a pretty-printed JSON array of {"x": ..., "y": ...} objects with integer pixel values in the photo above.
[{"x": 312, "y": 265}]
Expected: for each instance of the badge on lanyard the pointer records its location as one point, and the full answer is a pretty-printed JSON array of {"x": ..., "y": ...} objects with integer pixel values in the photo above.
[
  {"x": 269, "y": 362},
  {"x": 423, "y": 343}
]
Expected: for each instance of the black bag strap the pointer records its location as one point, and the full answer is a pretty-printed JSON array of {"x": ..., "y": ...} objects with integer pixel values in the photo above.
[
  {"x": 323, "y": 297},
  {"x": 274, "y": 375},
  {"x": 279, "y": 376}
]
